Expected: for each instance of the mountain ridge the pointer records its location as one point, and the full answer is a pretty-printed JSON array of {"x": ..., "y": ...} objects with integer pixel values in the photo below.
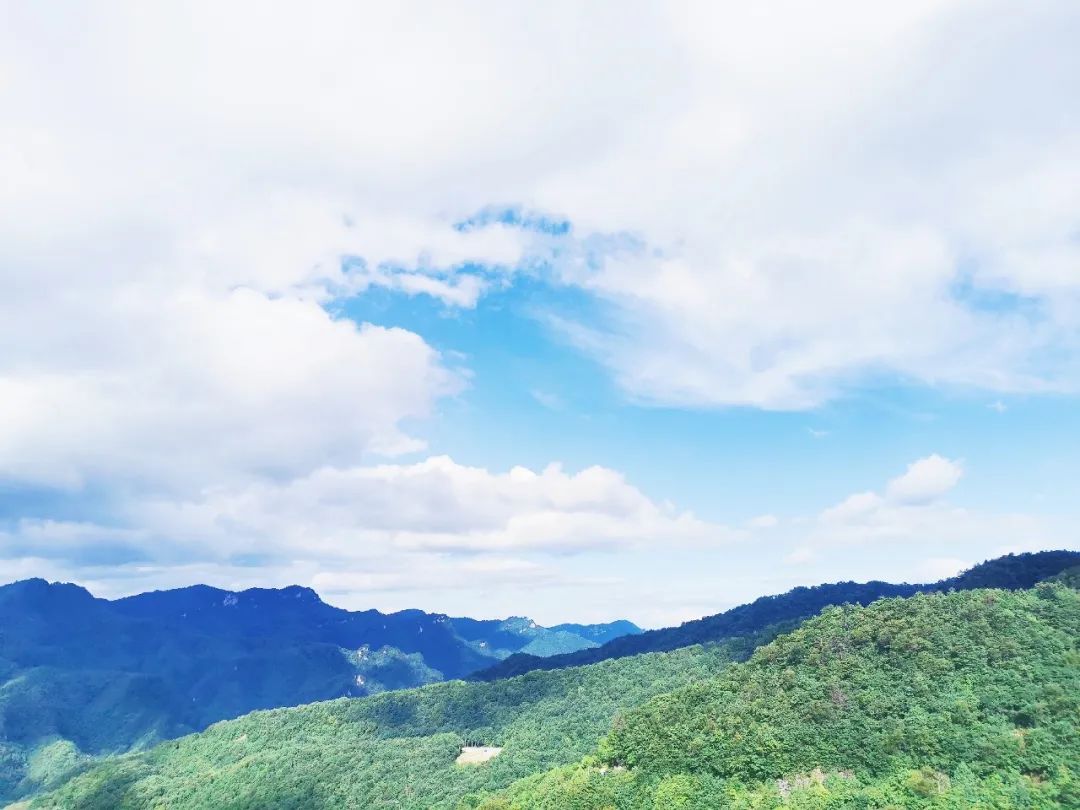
[
  {"x": 192, "y": 678},
  {"x": 104, "y": 676},
  {"x": 916, "y": 702},
  {"x": 1013, "y": 571}
]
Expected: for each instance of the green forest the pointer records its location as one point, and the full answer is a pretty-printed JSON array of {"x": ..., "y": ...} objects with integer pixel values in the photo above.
[
  {"x": 83, "y": 677},
  {"x": 395, "y": 749},
  {"x": 961, "y": 699}
]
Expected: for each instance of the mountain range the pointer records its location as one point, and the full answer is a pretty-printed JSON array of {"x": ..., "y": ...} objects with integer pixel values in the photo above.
[
  {"x": 110, "y": 676},
  {"x": 950, "y": 698},
  {"x": 1013, "y": 571},
  {"x": 82, "y": 679}
]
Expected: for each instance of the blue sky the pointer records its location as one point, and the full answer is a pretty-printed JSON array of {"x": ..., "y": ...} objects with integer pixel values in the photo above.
[
  {"x": 533, "y": 397},
  {"x": 577, "y": 315}
]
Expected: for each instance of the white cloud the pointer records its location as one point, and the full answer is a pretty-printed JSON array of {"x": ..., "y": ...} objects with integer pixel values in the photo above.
[
  {"x": 553, "y": 402},
  {"x": 377, "y": 535},
  {"x": 763, "y": 522},
  {"x": 853, "y": 507},
  {"x": 913, "y": 514},
  {"x": 909, "y": 501},
  {"x": 800, "y": 556},
  {"x": 925, "y": 480},
  {"x": 799, "y": 213},
  {"x": 812, "y": 218},
  {"x": 910, "y": 531},
  {"x": 435, "y": 505},
  {"x": 933, "y": 569},
  {"x": 768, "y": 210},
  {"x": 199, "y": 386}
]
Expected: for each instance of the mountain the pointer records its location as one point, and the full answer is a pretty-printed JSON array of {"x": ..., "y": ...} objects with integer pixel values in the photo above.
[
  {"x": 395, "y": 749},
  {"x": 83, "y": 676},
  {"x": 296, "y": 615},
  {"x": 1013, "y": 571},
  {"x": 599, "y": 633},
  {"x": 501, "y": 638},
  {"x": 108, "y": 676},
  {"x": 74, "y": 669},
  {"x": 961, "y": 699},
  {"x": 965, "y": 699}
]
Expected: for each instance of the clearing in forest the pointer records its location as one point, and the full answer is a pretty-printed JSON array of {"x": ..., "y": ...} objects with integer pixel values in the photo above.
[{"x": 475, "y": 754}]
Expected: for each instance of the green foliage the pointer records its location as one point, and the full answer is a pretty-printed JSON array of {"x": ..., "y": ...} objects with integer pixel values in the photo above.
[
  {"x": 1069, "y": 577},
  {"x": 389, "y": 668},
  {"x": 592, "y": 788},
  {"x": 119, "y": 676},
  {"x": 953, "y": 701},
  {"x": 984, "y": 676},
  {"x": 500, "y": 639},
  {"x": 557, "y": 643},
  {"x": 1013, "y": 571},
  {"x": 396, "y": 749},
  {"x": 12, "y": 764},
  {"x": 52, "y": 763}
]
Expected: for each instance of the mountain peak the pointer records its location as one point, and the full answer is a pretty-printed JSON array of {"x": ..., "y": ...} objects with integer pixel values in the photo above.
[
  {"x": 289, "y": 593},
  {"x": 36, "y": 586}
]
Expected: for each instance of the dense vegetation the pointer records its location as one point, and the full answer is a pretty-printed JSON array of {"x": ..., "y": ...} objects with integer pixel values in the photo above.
[
  {"x": 396, "y": 749},
  {"x": 452, "y": 646},
  {"x": 103, "y": 677},
  {"x": 1012, "y": 571},
  {"x": 867, "y": 706},
  {"x": 959, "y": 700},
  {"x": 501, "y": 638},
  {"x": 946, "y": 700}
]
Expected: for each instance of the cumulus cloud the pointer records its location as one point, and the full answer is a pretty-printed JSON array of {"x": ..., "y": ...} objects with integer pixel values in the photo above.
[
  {"x": 911, "y": 512},
  {"x": 433, "y": 524},
  {"x": 762, "y": 210},
  {"x": 810, "y": 219},
  {"x": 184, "y": 206},
  {"x": 925, "y": 480},
  {"x": 908, "y": 500},
  {"x": 432, "y": 505},
  {"x": 763, "y": 522},
  {"x": 206, "y": 386},
  {"x": 852, "y": 508},
  {"x": 769, "y": 209},
  {"x": 899, "y": 532}
]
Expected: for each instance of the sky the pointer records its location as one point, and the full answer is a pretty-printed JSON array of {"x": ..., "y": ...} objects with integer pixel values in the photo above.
[{"x": 574, "y": 311}]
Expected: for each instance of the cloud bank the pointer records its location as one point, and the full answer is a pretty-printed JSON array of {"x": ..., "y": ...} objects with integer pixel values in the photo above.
[{"x": 764, "y": 210}]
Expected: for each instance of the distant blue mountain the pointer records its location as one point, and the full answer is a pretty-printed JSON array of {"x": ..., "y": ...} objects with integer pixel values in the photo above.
[
  {"x": 1013, "y": 571},
  {"x": 106, "y": 676}
]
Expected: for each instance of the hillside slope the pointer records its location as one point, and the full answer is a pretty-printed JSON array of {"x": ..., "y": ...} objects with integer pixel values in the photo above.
[
  {"x": 107, "y": 676},
  {"x": 948, "y": 700},
  {"x": 392, "y": 750},
  {"x": 298, "y": 615},
  {"x": 1011, "y": 571},
  {"x": 942, "y": 700}
]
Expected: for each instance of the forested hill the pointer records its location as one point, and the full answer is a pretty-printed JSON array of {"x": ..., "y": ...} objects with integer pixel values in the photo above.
[
  {"x": 452, "y": 646},
  {"x": 80, "y": 675},
  {"x": 394, "y": 750},
  {"x": 1013, "y": 571},
  {"x": 296, "y": 615},
  {"x": 100, "y": 677},
  {"x": 966, "y": 699},
  {"x": 960, "y": 700}
]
